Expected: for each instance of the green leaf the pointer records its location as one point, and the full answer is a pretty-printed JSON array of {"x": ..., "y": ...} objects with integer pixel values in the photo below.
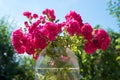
[
  {"x": 118, "y": 40},
  {"x": 118, "y": 47},
  {"x": 118, "y": 58}
]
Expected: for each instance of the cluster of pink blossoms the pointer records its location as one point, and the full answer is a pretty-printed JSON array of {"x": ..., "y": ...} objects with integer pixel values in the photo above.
[{"x": 40, "y": 30}]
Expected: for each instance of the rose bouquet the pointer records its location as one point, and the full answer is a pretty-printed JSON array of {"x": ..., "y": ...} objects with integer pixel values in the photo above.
[{"x": 45, "y": 32}]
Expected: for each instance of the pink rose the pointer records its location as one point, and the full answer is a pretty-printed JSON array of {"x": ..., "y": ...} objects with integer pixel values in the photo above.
[
  {"x": 52, "y": 30},
  {"x": 59, "y": 28},
  {"x": 27, "y": 14},
  {"x": 18, "y": 41},
  {"x": 96, "y": 43},
  {"x": 34, "y": 26},
  {"x": 90, "y": 48},
  {"x": 29, "y": 44},
  {"x": 75, "y": 16},
  {"x": 30, "y": 49},
  {"x": 26, "y": 24},
  {"x": 50, "y": 14},
  {"x": 100, "y": 34},
  {"x": 73, "y": 27},
  {"x": 101, "y": 39},
  {"x": 87, "y": 31},
  {"x": 39, "y": 38},
  {"x": 42, "y": 19},
  {"x": 52, "y": 63},
  {"x": 35, "y": 16},
  {"x": 105, "y": 43}
]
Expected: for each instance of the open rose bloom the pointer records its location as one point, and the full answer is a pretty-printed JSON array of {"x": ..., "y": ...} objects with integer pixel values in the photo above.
[{"x": 41, "y": 30}]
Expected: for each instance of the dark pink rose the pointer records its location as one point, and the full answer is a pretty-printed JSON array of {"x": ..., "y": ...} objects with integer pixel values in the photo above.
[
  {"x": 75, "y": 16},
  {"x": 59, "y": 28},
  {"x": 87, "y": 31},
  {"x": 101, "y": 39},
  {"x": 33, "y": 26},
  {"x": 51, "y": 36},
  {"x": 105, "y": 43},
  {"x": 35, "y": 16},
  {"x": 89, "y": 47},
  {"x": 96, "y": 43},
  {"x": 26, "y": 24},
  {"x": 30, "y": 49},
  {"x": 21, "y": 49},
  {"x": 39, "y": 38},
  {"x": 18, "y": 41},
  {"x": 27, "y": 14},
  {"x": 40, "y": 42},
  {"x": 45, "y": 11},
  {"x": 72, "y": 27},
  {"x": 42, "y": 19},
  {"x": 50, "y": 14},
  {"x": 52, "y": 30},
  {"x": 100, "y": 34},
  {"x": 29, "y": 44}
]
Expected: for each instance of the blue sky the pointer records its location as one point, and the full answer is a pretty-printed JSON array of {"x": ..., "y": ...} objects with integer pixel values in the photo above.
[{"x": 92, "y": 11}]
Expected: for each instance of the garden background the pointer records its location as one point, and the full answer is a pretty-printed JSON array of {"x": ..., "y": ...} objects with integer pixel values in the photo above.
[{"x": 102, "y": 65}]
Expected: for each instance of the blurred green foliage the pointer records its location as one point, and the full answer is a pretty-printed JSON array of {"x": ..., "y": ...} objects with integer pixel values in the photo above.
[
  {"x": 10, "y": 68},
  {"x": 118, "y": 45},
  {"x": 114, "y": 9}
]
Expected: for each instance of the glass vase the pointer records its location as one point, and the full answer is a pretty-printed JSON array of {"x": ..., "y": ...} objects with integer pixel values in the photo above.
[{"x": 57, "y": 64}]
